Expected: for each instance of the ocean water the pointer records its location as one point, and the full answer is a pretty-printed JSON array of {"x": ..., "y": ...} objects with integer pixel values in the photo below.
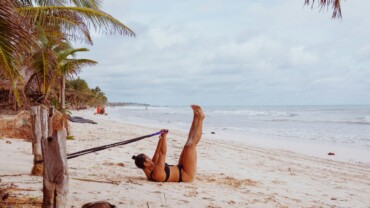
[{"x": 329, "y": 125}]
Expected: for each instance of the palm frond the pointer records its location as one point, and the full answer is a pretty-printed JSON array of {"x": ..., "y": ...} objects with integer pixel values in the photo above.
[
  {"x": 334, "y": 4},
  {"x": 14, "y": 33},
  {"x": 71, "y": 24},
  {"x": 63, "y": 54},
  {"x": 6, "y": 67},
  {"x": 44, "y": 62},
  {"x": 99, "y": 20},
  {"x": 50, "y": 2},
  {"x": 23, "y": 3},
  {"x": 15, "y": 39},
  {"x": 73, "y": 66},
  {"x": 93, "y": 4}
]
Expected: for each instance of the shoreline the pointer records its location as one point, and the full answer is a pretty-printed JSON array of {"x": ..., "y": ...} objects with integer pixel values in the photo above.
[
  {"x": 229, "y": 174},
  {"x": 343, "y": 152}
]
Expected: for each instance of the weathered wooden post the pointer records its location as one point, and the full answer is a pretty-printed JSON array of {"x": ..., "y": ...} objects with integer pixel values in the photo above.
[
  {"x": 55, "y": 185},
  {"x": 36, "y": 141}
]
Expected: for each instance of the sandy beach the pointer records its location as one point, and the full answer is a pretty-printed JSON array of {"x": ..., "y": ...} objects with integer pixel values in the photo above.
[
  {"x": 276, "y": 95},
  {"x": 229, "y": 174}
]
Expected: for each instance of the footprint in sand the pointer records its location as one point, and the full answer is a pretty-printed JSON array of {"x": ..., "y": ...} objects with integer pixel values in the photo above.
[
  {"x": 278, "y": 182},
  {"x": 213, "y": 206},
  {"x": 185, "y": 201},
  {"x": 231, "y": 202},
  {"x": 192, "y": 193},
  {"x": 208, "y": 199}
]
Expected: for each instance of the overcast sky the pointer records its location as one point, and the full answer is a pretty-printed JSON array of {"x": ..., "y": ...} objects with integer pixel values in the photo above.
[{"x": 215, "y": 52}]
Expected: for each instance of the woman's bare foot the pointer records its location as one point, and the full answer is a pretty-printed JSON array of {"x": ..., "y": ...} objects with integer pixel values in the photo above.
[{"x": 198, "y": 111}]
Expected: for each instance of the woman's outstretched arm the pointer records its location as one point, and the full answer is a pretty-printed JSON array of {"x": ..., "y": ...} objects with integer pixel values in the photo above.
[{"x": 161, "y": 146}]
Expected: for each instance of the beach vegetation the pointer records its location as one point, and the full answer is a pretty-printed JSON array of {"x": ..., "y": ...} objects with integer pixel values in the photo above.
[
  {"x": 70, "y": 137},
  {"x": 79, "y": 94}
]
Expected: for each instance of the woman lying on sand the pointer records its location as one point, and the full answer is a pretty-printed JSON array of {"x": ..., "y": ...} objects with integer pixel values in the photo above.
[{"x": 156, "y": 169}]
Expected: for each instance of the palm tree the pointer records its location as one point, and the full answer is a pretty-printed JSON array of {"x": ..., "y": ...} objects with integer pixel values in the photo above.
[
  {"x": 53, "y": 60},
  {"x": 70, "y": 66},
  {"x": 45, "y": 61},
  {"x": 99, "y": 97},
  {"x": 66, "y": 19},
  {"x": 78, "y": 91},
  {"x": 335, "y": 4}
]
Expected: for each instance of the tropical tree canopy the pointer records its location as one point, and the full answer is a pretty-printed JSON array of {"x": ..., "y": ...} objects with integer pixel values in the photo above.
[
  {"x": 35, "y": 49},
  {"x": 15, "y": 36},
  {"x": 75, "y": 18},
  {"x": 78, "y": 94}
]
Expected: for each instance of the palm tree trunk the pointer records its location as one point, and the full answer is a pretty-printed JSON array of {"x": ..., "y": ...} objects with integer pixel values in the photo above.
[
  {"x": 60, "y": 92},
  {"x": 63, "y": 93}
]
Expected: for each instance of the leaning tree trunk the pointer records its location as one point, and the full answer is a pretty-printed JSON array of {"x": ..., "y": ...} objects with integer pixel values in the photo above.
[{"x": 63, "y": 93}]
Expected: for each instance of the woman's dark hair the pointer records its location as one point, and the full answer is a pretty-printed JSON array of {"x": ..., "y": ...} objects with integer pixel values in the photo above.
[{"x": 139, "y": 160}]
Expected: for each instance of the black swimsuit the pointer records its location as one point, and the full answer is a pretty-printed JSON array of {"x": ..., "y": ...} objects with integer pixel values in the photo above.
[
  {"x": 180, "y": 176},
  {"x": 167, "y": 170}
]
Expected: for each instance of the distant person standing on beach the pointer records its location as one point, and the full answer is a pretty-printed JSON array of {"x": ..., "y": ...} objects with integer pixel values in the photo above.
[
  {"x": 102, "y": 110},
  {"x": 156, "y": 169}
]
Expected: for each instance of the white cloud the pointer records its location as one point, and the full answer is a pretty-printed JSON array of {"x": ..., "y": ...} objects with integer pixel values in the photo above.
[
  {"x": 259, "y": 52},
  {"x": 363, "y": 53},
  {"x": 300, "y": 56}
]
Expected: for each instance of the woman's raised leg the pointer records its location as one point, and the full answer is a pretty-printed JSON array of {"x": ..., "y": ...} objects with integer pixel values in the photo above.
[
  {"x": 188, "y": 158},
  {"x": 191, "y": 131}
]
